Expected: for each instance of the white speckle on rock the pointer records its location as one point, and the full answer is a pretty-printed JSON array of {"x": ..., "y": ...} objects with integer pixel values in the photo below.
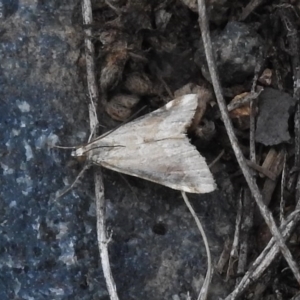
[
  {"x": 57, "y": 291},
  {"x": 36, "y": 226},
  {"x": 6, "y": 169},
  {"x": 88, "y": 228},
  {"x": 23, "y": 106},
  {"x": 66, "y": 181},
  {"x": 23, "y": 166},
  {"x": 40, "y": 142},
  {"x": 15, "y": 132},
  {"x": 68, "y": 253},
  {"x": 17, "y": 286},
  {"x": 28, "y": 151},
  {"x": 63, "y": 230},
  {"x": 12, "y": 204},
  {"x": 27, "y": 181}
]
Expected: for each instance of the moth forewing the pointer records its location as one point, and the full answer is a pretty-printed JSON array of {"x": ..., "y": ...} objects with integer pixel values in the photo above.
[{"x": 155, "y": 147}]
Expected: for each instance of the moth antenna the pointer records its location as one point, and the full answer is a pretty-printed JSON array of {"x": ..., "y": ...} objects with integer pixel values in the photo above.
[
  {"x": 129, "y": 185},
  {"x": 64, "y": 147},
  {"x": 74, "y": 182},
  {"x": 80, "y": 152}
]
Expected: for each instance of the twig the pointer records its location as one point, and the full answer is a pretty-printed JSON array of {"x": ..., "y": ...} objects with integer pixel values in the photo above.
[
  {"x": 93, "y": 118},
  {"x": 203, "y": 22},
  {"x": 282, "y": 187},
  {"x": 114, "y": 8},
  {"x": 269, "y": 253},
  {"x": 251, "y": 6},
  {"x": 99, "y": 187},
  {"x": 101, "y": 235},
  {"x": 247, "y": 223},
  {"x": 289, "y": 17},
  {"x": 274, "y": 164},
  {"x": 261, "y": 170},
  {"x": 266, "y": 257},
  {"x": 253, "y": 105},
  {"x": 204, "y": 289},
  {"x": 234, "y": 253},
  {"x": 296, "y": 296},
  {"x": 70, "y": 187},
  {"x": 89, "y": 55},
  {"x": 224, "y": 257}
]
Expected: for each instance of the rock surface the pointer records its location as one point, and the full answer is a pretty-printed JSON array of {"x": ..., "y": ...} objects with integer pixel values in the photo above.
[{"x": 48, "y": 246}]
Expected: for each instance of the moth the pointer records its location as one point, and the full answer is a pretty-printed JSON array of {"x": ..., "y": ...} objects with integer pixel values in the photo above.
[{"x": 155, "y": 147}]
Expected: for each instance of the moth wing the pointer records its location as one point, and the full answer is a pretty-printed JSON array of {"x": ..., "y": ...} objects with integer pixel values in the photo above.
[
  {"x": 174, "y": 163},
  {"x": 169, "y": 121}
]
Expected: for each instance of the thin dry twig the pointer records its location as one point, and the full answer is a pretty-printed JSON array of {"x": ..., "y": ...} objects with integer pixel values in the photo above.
[
  {"x": 282, "y": 187},
  {"x": 247, "y": 221},
  {"x": 204, "y": 289},
  {"x": 246, "y": 226},
  {"x": 70, "y": 187},
  {"x": 234, "y": 253},
  {"x": 266, "y": 257},
  {"x": 251, "y": 6},
  {"x": 102, "y": 237},
  {"x": 261, "y": 170},
  {"x": 224, "y": 257},
  {"x": 289, "y": 18},
  {"x": 253, "y": 105},
  {"x": 99, "y": 187},
  {"x": 296, "y": 297},
  {"x": 203, "y": 22},
  {"x": 274, "y": 164}
]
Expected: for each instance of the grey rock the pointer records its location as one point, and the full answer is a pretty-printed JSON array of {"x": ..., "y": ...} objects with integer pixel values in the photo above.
[
  {"x": 237, "y": 50},
  {"x": 48, "y": 246},
  {"x": 275, "y": 108}
]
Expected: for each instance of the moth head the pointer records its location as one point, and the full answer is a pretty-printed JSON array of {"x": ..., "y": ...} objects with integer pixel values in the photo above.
[
  {"x": 78, "y": 152},
  {"x": 80, "y": 155}
]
